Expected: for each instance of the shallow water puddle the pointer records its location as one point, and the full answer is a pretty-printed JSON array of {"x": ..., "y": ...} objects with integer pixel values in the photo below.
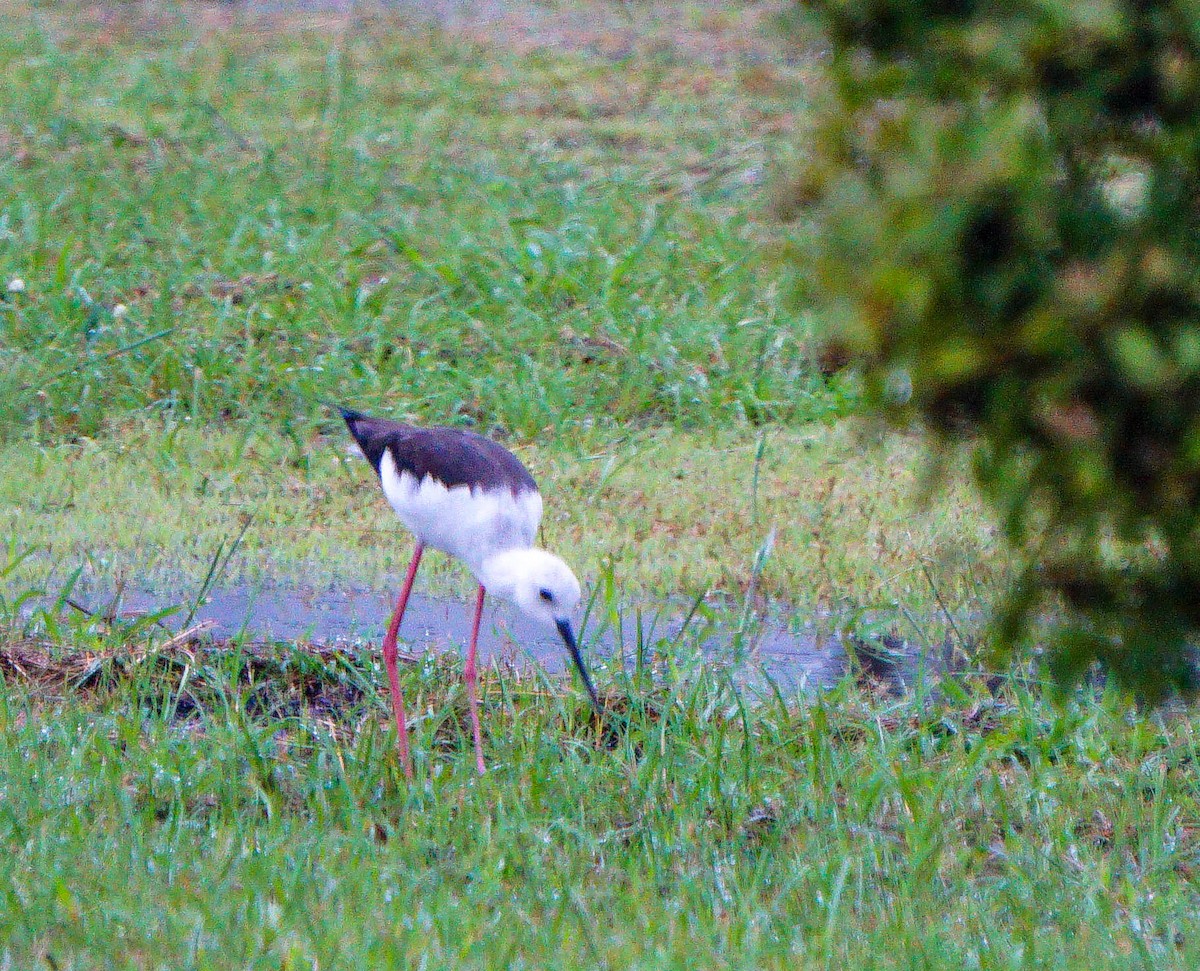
[{"x": 771, "y": 651}]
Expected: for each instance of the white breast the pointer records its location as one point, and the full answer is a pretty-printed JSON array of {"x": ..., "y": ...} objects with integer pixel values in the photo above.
[{"x": 470, "y": 524}]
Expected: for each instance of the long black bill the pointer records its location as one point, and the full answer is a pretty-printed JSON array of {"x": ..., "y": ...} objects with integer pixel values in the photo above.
[{"x": 568, "y": 636}]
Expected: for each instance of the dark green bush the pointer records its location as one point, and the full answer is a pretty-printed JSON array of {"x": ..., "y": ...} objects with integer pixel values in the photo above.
[{"x": 1005, "y": 200}]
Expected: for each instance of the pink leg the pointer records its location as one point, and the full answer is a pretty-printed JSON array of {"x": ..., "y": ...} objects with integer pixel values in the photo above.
[
  {"x": 389, "y": 661},
  {"x": 471, "y": 678}
]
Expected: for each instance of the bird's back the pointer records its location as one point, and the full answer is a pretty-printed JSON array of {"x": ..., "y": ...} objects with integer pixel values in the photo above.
[{"x": 457, "y": 491}]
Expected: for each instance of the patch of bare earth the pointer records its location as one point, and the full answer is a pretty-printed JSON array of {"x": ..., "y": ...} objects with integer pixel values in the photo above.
[{"x": 706, "y": 32}]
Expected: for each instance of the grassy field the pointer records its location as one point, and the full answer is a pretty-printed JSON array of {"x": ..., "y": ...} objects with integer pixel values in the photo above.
[
  {"x": 663, "y": 513},
  {"x": 557, "y": 229},
  {"x": 219, "y": 227},
  {"x": 204, "y": 813},
  {"x": 535, "y": 245}
]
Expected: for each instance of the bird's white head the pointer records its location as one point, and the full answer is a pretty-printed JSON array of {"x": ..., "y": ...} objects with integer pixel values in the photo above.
[
  {"x": 538, "y": 582},
  {"x": 543, "y": 587}
]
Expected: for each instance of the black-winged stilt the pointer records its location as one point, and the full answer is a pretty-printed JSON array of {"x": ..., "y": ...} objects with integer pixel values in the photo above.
[{"x": 467, "y": 496}]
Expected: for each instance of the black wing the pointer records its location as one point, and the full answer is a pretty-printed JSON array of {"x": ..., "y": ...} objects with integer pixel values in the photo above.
[{"x": 451, "y": 456}]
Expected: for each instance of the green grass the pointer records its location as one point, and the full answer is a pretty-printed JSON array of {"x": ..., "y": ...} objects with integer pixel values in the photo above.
[
  {"x": 222, "y": 228},
  {"x": 665, "y": 514},
  {"x": 394, "y": 218},
  {"x": 844, "y": 831}
]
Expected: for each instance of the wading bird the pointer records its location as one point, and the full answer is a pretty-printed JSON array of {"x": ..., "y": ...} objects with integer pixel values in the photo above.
[{"x": 465, "y": 495}]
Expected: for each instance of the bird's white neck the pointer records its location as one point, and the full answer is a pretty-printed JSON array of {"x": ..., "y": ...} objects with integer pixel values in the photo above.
[{"x": 500, "y": 572}]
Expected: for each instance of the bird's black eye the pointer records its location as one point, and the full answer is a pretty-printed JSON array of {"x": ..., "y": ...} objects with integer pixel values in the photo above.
[{"x": 546, "y": 595}]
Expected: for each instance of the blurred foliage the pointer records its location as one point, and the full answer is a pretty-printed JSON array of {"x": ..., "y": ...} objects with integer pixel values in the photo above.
[{"x": 1004, "y": 200}]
